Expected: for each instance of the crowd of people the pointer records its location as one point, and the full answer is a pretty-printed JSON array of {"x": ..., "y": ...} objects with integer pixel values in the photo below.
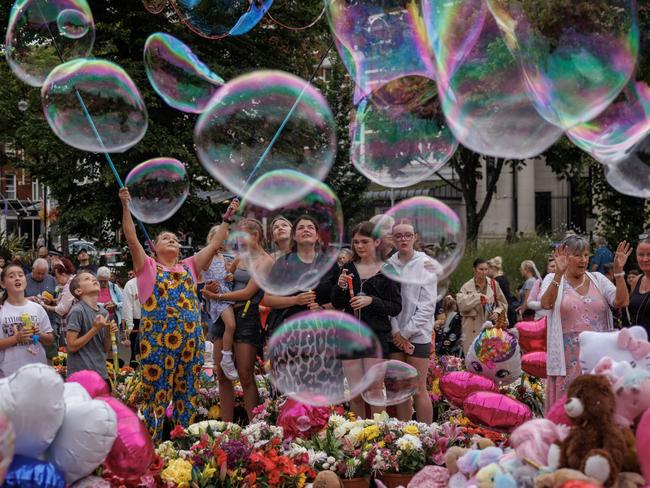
[{"x": 169, "y": 306}]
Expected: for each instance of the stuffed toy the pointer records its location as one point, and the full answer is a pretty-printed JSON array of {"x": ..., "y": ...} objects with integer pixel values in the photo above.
[
  {"x": 470, "y": 463},
  {"x": 630, "y": 344},
  {"x": 533, "y": 439},
  {"x": 558, "y": 478},
  {"x": 595, "y": 445},
  {"x": 631, "y": 385},
  {"x": 495, "y": 353},
  {"x": 327, "y": 479}
]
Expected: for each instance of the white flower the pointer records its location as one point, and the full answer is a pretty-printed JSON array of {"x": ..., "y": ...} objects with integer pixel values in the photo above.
[
  {"x": 276, "y": 431},
  {"x": 331, "y": 459},
  {"x": 202, "y": 427},
  {"x": 253, "y": 431},
  {"x": 340, "y": 432},
  {"x": 409, "y": 442},
  {"x": 356, "y": 434},
  {"x": 336, "y": 420},
  {"x": 326, "y": 465},
  {"x": 316, "y": 457}
]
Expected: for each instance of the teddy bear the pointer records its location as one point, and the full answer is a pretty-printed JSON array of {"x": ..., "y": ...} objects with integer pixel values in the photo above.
[{"x": 595, "y": 445}]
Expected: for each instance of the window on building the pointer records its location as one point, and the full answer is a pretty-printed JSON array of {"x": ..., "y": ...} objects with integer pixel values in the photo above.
[
  {"x": 10, "y": 186},
  {"x": 37, "y": 190},
  {"x": 10, "y": 149}
]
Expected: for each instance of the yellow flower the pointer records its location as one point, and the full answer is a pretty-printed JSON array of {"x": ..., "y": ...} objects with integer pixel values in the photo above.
[
  {"x": 152, "y": 372},
  {"x": 371, "y": 432},
  {"x": 208, "y": 472},
  {"x": 179, "y": 472},
  {"x": 411, "y": 429},
  {"x": 147, "y": 325},
  {"x": 214, "y": 413},
  {"x": 150, "y": 304},
  {"x": 145, "y": 348},
  {"x": 173, "y": 340},
  {"x": 381, "y": 444},
  {"x": 435, "y": 389},
  {"x": 302, "y": 479}
]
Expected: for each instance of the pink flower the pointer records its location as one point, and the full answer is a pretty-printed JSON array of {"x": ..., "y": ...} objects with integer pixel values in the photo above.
[{"x": 299, "y": 420}]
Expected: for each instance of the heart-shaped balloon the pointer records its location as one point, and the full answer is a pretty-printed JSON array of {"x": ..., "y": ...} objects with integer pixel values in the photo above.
[
  {"x": 458, "y": 385},
  {"x": 496, "y": 410},
  {"x": 132, "y": 451},
  {"x": 92, "y": 381},
  {"x": 643, "y": 444},
  {"x": 86, "y": 436},
  {"x": 32, "y": 399},
  {"x": 532, "y": 335},
  {"x": 557, "y": 413},
  {"x": 534, "y": 363}
]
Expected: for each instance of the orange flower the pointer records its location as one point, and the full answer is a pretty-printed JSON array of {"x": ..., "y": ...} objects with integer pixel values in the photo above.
[
  {"x": 250, "y": 479},
  {"x": 220, "y": 456}
]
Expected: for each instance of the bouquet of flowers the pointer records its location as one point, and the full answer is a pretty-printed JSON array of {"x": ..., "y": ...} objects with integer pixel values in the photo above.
[
  {"x": 530, "y": 391},
  {"x": 220, "y": 454}
]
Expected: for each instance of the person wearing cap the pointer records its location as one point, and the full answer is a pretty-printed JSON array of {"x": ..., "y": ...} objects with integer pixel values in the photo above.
[
  {"x": 110, "y": 295},
  {"x": 84, "y": 263}
]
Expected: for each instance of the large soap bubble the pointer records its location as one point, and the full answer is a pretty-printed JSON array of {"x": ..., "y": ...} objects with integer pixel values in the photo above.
[
  {"x": 631, "y": 176},
  {"x": 576, "y": 56},
  {"x": 177, "y": 75},
  {"x": 43, "y": 34},
  {"x": 380, "y": 41},
  {"x": 611, "y": 137},
  {"x": 398, "y": 145},
  {"x": 265, "y": 121},
  {"x": 111, "y": 98},
  {"x": 158, "y": 188},
  {"x": 482, "y": 92},
  {"x": 316, "y": 239},
  {"x": 322, "y": 358},
  {"x": 435, "y": 226},
  {"x": 215, "y": 18},
  {"x": 394, "y": 382}
]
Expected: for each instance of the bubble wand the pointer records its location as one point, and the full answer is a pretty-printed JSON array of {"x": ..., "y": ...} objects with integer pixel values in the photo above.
[
  {"x": 93, "y": 127},
  {"x": 116, "y": 357}
]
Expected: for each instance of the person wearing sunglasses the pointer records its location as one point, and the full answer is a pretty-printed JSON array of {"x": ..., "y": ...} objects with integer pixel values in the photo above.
[{"x": 639, "y": 307}]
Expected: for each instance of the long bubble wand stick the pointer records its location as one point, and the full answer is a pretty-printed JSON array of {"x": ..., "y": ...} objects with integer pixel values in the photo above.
[
  {"x": 116, "y": 357},
  {"x": 93, "y": 127}
]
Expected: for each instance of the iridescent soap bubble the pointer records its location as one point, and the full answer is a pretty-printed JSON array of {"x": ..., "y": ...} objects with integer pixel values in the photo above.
[
  {"x": 158, "y": 188},
  {"x": 484, "y": 97},
  {"x": 631, "y": 176},
  {"x": 73, "y": 23},
  {"x": 317, "y": 235},
  {"x": 400, "y": 144},
  {"x": 612, "y": 136},
  {"x": 111, "y": 98},
  {"x": 436, "y": 227},
  {"x": 393, "y": 382},
  {"x": 265, "y": 121},
  {"x": 380, "y": 41},
  {"x": 576, "y": 56},
  {"x": 218, "y": 18},
  {"x": 317, "y": 358},
  {"x": 177, "y": 75},
  {"x": 43, "y": 34}
]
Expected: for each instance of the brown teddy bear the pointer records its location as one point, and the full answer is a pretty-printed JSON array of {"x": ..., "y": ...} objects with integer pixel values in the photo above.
[{"x": 595, "y": 445}]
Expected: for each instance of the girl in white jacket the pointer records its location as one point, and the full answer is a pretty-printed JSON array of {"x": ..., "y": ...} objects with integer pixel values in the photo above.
[{"x": 413, "y": 327}]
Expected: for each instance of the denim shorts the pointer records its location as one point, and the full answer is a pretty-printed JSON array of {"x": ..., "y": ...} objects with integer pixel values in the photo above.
[{"x": 248, "y": 329}]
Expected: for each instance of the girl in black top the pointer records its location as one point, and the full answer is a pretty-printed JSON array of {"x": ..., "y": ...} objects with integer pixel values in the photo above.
[
  {"x": 376, "y": 297},
  {"x": 639, "y": 307}
]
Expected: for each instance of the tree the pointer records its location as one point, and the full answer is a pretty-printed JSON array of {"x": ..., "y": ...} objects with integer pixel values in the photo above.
[{"x": 82, "y": 183}]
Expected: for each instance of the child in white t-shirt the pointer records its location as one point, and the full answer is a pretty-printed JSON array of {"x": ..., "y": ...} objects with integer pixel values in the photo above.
[{"x": 24, "y": 325}]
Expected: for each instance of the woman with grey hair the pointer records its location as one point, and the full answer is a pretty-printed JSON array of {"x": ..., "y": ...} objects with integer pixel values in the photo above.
[{"x": 580, "y": 301}]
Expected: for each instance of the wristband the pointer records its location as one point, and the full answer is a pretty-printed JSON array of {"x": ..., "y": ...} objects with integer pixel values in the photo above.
[
  {"x": 555, "y": 283},
  {"x": 618, "y": 275}
]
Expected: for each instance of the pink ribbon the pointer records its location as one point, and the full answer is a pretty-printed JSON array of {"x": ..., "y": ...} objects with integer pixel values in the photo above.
[{"x": 639, "y": 349}]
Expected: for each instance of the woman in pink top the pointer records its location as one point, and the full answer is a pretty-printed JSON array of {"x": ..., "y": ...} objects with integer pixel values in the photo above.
[
  {"x": 171, "y": 337},
  {"x": 579, "y": 301}
]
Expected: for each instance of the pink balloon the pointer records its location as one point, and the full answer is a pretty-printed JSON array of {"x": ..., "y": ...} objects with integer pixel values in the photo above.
[
  {"x": 458, "y": 385},
  {"x": 557, "y": 414},
  {"x": 534, "y": 363},
  {"x": 92, "y": 381},
  {"x": 532, "y": 335},
  {"x": 496, "y": 410},
  {"x": 643, "y": 444},
  {"x": 132, "y": 452}
]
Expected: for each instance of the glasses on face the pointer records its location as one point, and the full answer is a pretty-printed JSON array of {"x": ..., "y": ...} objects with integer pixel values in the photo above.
[{"x": 403, "y": 237}]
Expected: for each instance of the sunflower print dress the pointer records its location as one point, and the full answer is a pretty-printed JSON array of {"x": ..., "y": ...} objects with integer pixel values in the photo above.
[{"x": 171, "y": 350}]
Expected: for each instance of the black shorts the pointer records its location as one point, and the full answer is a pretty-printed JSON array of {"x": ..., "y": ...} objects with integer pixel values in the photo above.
[
  {"x": 248, "y": 329},
  {"x": 419, "y": 350}
]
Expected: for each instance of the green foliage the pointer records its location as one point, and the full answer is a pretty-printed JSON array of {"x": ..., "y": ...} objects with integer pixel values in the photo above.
[
  {"x": 536, "y": 249},
  {"x": 11, "y": 245}
]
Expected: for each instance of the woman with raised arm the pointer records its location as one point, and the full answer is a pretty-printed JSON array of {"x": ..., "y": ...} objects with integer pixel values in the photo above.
[
  {"x": 579, "y": 301},
  {"x": 171, "y": 342}
]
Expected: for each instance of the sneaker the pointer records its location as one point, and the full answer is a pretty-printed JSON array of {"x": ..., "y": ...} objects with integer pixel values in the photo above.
[{"x": 228, "y": 368}]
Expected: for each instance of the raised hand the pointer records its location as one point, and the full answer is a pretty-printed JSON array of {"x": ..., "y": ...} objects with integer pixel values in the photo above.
[
  {"x": 623, "y": 252},
  {"x": 125, "y": 197},
  {"x": 561, "y": 256}
]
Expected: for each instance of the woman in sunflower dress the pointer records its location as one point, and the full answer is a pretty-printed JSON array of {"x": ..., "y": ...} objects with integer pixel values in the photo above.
[{"x": 171, "y": 336}]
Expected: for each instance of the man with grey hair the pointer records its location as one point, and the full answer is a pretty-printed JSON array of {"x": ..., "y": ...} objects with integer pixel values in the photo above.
[
  {"x": 41, "y": 287},
  {"x": 602, "y": 255}
]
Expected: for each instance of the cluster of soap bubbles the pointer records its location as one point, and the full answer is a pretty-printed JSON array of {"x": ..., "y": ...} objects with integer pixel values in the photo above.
[{"x": 502, "y": 77}]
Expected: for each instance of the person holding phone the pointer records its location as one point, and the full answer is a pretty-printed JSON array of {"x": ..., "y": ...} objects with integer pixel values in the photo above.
[{"x": 412, "y": 329}]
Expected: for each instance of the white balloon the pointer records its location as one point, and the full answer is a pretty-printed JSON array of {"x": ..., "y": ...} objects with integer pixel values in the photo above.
[
  {"x": 32, "y": 398},
  {"x": 86, "y": 436}
]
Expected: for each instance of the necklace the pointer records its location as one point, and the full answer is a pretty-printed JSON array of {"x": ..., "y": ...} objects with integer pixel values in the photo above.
[{"x": 585, "y": 298}]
